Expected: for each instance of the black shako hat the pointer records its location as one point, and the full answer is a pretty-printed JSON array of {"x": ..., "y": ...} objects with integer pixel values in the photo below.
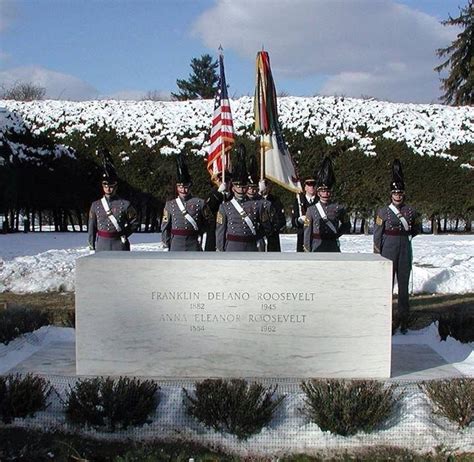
[
  {"x": 240, "y": 175},
  {"x": 182, "y": 172},
  {"x": 325, "y": 175},
  {"x": 253, "y": 171},
  {"x": 397, "y": 183},
  {"x": 109, "y": 174}
]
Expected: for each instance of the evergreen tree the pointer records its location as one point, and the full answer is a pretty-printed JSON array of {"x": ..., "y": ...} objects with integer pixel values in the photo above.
[
  {"x": 459, "y": 85},
  {"x": 202, "y": 82}
]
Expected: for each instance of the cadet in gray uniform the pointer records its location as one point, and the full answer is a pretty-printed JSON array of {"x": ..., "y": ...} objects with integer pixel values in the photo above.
[
  {"x": 111, "y": 219},
  {"x": 240, "y": 221},
  {"x": 213, "y": 201},
  {"x": 302, "y": 203},
  {"x": 325, "y": 221},
  {"x": 277, "y": 216},
  {"x": 254, "y": 195},
  {"x": 184, "y": 218},
  {"x": 261, "y": 190},
  {"x": 395, "y": 225}
]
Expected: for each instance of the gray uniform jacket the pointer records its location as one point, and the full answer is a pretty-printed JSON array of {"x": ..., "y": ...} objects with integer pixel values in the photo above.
[
  {"x": 102, "y": 233},
  {"x": 393, "y": 242},
  {"x": 278, "y": 221},
  {"x": 213, "y": 201},
  {"x": 232, "y": 232},
  {"x": 300, "y": 207},
  {"x": 318, "y": 236},
  {"x": 177, "y": 233},
  {"x": 261, "y": 233}
]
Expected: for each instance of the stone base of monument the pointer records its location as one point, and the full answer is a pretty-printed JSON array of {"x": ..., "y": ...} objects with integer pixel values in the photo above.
[
  {"x": 195, "y": 315},
  {"x": 409, "y": 362}
]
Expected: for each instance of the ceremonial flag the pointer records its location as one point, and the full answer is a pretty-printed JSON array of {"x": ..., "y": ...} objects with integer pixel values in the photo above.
[
  {"x": 276, "y": 162},
  {"x": 222, "y": 130}
]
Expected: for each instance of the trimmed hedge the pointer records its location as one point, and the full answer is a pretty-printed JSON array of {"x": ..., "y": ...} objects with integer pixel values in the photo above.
[
  {"x": 65, "y": 187},
  {"x": 347, "y": 407},
  {"x": 17, "y": 321},
  {"x": 233, "y": 406},
  {"x": 22, "y": 396},
  {"x": 112, "y": 403},
  {"x": 453, "y": 399},
  {"x": 459, "y": 325}
]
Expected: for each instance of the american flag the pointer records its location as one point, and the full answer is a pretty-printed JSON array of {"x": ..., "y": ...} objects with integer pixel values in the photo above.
[{"x": 222, "y": 130}]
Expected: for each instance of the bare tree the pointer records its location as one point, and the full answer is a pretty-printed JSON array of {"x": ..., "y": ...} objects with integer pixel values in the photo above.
[
  {"x": 156, "y": 95},
  {"x": 23, "y": 91}
]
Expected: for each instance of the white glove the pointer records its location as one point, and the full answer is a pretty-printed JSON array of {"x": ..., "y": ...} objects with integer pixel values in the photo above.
[
  {"x": 262, "y": 186},
  {"x": 302, "y": 219},
  {"x": 222, "y": 187}
]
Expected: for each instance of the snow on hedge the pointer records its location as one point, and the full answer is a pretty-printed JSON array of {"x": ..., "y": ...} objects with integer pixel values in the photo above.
[{"x": 429, "y": 129}]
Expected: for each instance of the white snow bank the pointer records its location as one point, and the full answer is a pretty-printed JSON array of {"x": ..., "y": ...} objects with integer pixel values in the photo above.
[
  {"x": 430, "y": 129},
  {"x": 413, "y": 426},
  {"x": 442, "y": 264}
]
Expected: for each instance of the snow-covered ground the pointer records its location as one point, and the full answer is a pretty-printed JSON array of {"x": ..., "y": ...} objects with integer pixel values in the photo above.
[
  {"x": 445, "y": 264},
  {"x": 38, "y": 262},
  {"x": 413, "y": 425}
]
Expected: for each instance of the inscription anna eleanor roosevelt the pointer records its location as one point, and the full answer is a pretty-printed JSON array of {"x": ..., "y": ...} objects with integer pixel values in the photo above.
[{"x": 212, "y": 307}]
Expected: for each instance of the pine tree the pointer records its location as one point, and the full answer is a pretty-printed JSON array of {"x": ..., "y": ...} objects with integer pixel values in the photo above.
[
  {"x": 459, "y": 85},
  {"x": 202, "y": 82}
]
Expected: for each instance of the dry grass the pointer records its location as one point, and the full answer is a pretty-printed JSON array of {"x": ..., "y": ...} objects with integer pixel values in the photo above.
[
  {"x": 59, "y": 306},
  {"x": 426, "y": 309}
]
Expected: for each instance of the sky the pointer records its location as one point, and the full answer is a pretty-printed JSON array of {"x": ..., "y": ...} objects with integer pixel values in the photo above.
[{"x": 122, "y": 49}]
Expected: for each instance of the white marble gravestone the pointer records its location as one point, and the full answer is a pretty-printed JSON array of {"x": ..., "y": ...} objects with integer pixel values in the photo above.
[{"x": 193, "y": 314}]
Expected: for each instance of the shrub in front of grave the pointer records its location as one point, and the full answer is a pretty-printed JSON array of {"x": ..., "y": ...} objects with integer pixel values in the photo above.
[
  {"x": 459, "y": 325},
  {"x": 17, "y": 321},
  {"x": 233, "y": 406},
  {"x": 453, "y": 399},
  {"x": 346, "y": 407},
  {"x": 22, "y": 396},
  {"x": 112, "y": 403}
]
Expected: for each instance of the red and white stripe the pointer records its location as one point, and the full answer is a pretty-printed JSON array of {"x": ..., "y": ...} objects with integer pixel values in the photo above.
[{"x": 222, "y": 137}]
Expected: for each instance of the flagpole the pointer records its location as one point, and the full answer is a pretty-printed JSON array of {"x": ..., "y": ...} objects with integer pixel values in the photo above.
[
  {"x": 223, "y": 158},
  {"x": 223, "y": 162}
]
